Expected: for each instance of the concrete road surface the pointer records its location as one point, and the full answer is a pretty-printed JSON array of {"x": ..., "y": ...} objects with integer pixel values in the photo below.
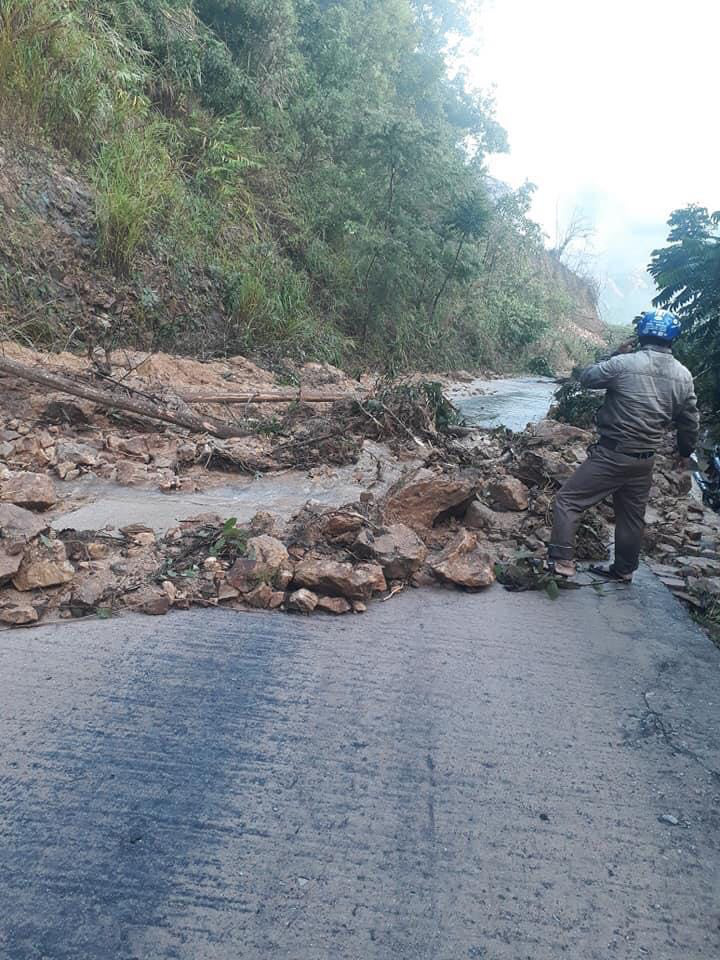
[{"x": 449, "y": 776}]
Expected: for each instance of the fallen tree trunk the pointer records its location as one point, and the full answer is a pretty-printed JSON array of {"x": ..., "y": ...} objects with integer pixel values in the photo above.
[
  {"x": 144, "y": 408},
  {"x": 285, "y": 397}
]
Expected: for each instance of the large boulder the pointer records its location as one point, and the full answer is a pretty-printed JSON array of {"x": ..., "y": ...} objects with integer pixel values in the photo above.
[
  {"x": 340, "y": 579},
  {"x": 463, "y": 563},
  {"x": 536, "y": 468},
  {"x": 44, "y": 565},
  {"x": 397, "y": 549},
  {"x": 479, "y": 516},
  {"x": 31, "y": 452},
  {"x": 556, "y": 434},
  {"x": 266, "y": 561},
  {"x": 507, "y": 493},
  {"x": 69, "y": 451},
  {"x": 32, "y": 490},
  {"x": 419, "y": 501},
  {"x": 18, "y": 524}
]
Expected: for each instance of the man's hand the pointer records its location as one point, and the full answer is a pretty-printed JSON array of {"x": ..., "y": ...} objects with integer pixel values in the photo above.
[{"x": 627, "y": 346}]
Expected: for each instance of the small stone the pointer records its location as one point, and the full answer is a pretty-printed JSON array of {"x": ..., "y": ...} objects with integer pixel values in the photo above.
[
  {"x": 335, "y": 605},
  {"x": 673, "y": 583},
  {"x": 187, "y": 452},
  {"x": 340, "y": 523},
  {"x": 260, "y": 596},
  {"x": 130, "y": 531},
  {"x": 267, "y": 559},
  {"x": 169, "y": 590},
  {"x": 9, "y": 565},
  {"x": 359, "y": 607},
  {"x": 226, "y": 592},
  {"x": 153, "y": 602},
  {"x": 303, "y": 601},
  {"x": 18, "y": 614},
  {"x": 144, "y": 539},
  {"x": 129, "y": 473},
  {"x": 669, "y": 818},
  {"x": 277, "y": 599},
  {"x": 97, "y": 550},
  {"x": 136, "y": 447},
  {"x": 64, "y": 470},
  {"x": 508, "y": 493},
  {"x": 480, "y": 517},
  {"x": 396, "y": 548}
]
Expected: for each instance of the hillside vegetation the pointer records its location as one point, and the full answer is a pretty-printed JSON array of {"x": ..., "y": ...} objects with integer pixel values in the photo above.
[{"x": 275, "y": 177}]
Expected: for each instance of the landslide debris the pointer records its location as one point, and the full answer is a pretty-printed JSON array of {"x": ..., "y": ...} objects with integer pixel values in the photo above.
[{"x": 470, "y": 506}]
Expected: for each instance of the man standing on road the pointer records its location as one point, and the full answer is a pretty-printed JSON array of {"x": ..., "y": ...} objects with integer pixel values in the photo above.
[{"x": 647, "y": 391}]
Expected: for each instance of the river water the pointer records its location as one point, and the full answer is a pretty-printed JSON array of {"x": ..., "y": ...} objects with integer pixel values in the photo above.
[{"x": 511, "y": 403}]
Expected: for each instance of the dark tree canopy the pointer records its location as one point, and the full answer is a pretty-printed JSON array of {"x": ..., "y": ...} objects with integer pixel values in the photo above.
[{"x": 687, "y": 273}]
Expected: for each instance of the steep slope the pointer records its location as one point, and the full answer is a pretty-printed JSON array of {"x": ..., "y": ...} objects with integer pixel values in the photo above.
[{"x": 301, "y": 178}]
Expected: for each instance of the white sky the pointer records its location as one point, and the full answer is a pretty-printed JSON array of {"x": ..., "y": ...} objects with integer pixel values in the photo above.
[{"x": 611, "y": 104}]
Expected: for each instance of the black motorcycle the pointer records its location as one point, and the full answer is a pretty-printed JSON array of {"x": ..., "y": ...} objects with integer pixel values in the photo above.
[{"x": 709, "y": 479}]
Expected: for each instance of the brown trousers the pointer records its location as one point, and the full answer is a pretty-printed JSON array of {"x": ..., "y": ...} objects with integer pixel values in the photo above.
[{"x": 605, "y": 472}]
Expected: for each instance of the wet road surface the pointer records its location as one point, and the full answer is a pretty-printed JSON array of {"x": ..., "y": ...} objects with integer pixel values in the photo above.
[{"x": 449, "y": 776}]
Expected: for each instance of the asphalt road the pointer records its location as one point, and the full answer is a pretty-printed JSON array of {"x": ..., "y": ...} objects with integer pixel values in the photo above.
[{"x": 449, "y": 776}]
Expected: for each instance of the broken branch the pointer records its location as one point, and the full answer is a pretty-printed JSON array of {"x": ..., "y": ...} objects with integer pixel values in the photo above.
[{"x": 142, "y": 407}]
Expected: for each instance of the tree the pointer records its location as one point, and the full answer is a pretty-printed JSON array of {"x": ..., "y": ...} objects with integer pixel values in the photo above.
[
  {"x": 687, "y": 274},
  {"x": 468, "y": 220}
]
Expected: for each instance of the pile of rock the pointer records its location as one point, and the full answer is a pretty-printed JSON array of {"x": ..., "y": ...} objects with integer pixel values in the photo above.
[
  {"x": 682, "y": 542},
  {"x": 439, "y": 524}
]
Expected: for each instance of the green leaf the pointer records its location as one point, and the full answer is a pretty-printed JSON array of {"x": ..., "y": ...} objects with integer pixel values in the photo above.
[{"x": 552, "y": 590}]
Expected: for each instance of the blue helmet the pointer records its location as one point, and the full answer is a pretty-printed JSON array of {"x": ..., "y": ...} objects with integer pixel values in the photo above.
[{"x": 659, "y": 323}]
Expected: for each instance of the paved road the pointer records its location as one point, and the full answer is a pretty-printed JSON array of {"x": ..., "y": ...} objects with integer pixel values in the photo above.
[{"x": 448, "y": 777}]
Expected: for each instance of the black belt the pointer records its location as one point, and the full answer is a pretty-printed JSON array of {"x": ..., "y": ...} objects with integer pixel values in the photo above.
[{"x": 614, "y": 445}]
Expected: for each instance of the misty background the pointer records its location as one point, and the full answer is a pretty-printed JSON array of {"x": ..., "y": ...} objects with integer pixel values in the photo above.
[{"x": 607, "y": 104}]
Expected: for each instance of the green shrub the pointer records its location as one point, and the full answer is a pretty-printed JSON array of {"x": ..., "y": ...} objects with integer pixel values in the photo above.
[
  {"x": 540, "y": 367},
  {"x": 62, "y": 77},
  {"x": 135, "y": 180},
  {"x": 575, "y": 405},
  {"x": 271, "y": 311}
]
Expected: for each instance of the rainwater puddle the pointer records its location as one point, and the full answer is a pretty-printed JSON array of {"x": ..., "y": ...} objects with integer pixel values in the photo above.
[{"x": 283, "y": 494}]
